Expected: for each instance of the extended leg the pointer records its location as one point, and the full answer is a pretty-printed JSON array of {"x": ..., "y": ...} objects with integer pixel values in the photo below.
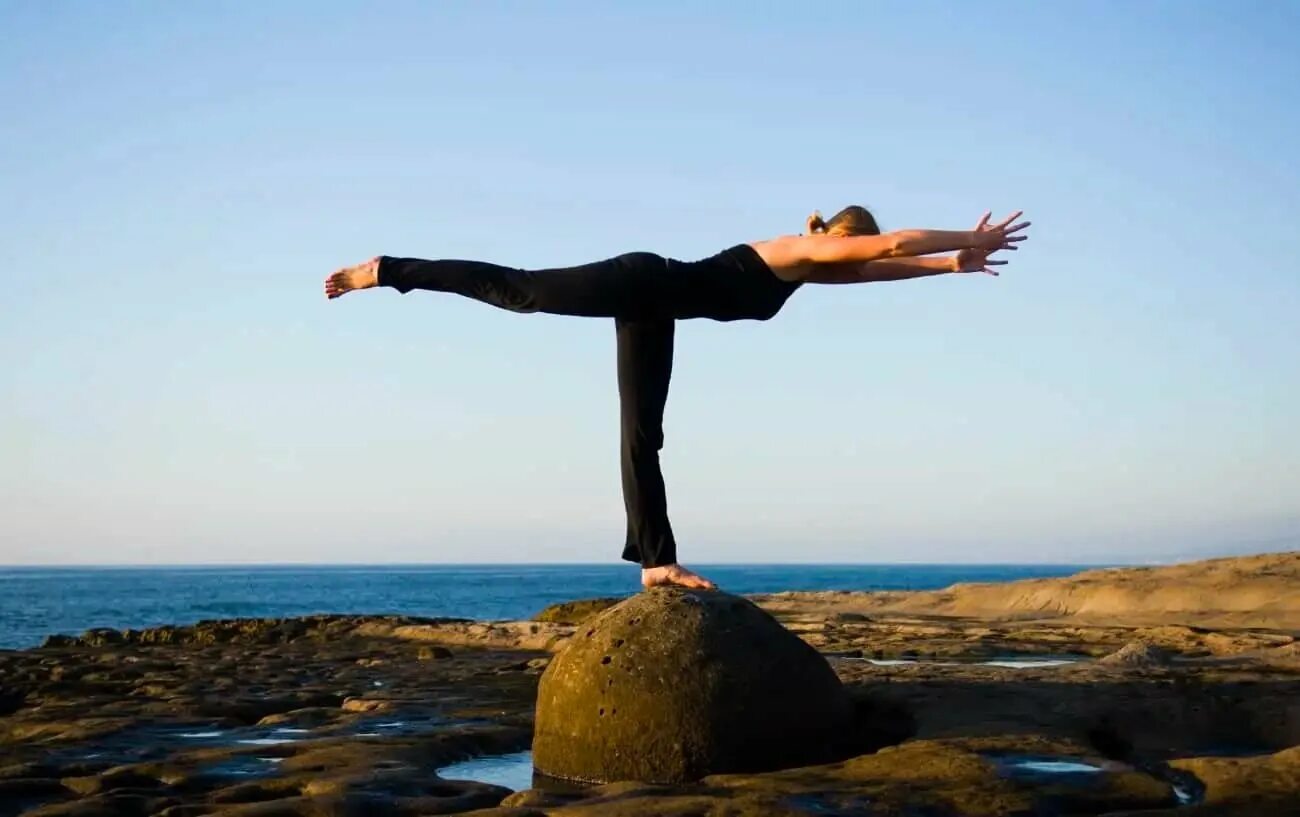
[{"x": 629, "y": 285}]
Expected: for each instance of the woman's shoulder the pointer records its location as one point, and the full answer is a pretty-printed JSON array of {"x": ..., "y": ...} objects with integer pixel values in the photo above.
[{"x": 786, "y": 255}]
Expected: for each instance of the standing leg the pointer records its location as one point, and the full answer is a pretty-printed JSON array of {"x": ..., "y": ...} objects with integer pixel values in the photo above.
[{"x": 645, "y": 365}]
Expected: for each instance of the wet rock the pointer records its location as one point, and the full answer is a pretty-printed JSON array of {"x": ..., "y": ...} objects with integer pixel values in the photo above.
[
  {"x": 24, "y": 787},
  {"x": 672, "y": 685},
  {"x": 366, "y": 705},
  {"x": 1137, "y": 654},
  {"x": 536, "y": 798},
  {"x": 105, "y": 805},
  {"x": 117, "y": 778},
  {"x": 12, "y": 699},
  {"x": 575, "y": 612},
  {"x": 432, "y": 653},
  {"x": 1267, "y": 783}
]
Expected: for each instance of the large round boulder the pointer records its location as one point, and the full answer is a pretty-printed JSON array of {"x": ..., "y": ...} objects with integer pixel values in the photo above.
[{"x": 672, "y": 685}]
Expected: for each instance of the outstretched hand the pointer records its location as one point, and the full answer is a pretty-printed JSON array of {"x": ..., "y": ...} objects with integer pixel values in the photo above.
[
  {"x": 990, "y": 239},
  {"x": 1001, "y": 236}
]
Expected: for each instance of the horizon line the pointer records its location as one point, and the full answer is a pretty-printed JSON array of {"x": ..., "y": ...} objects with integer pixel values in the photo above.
[{"x": 128, "y": 565}]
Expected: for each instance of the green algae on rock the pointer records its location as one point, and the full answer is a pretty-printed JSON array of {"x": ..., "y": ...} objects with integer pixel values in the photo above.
[
  {"x": 575, "y": 612},
  {"x": 672, "y": 685}
]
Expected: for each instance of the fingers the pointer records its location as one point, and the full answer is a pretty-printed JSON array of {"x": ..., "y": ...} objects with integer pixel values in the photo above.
[
  {"x": 984, "y": 221},
  {"x": 1017, "y": 228},
  {"x": 1003, "y": 225}
]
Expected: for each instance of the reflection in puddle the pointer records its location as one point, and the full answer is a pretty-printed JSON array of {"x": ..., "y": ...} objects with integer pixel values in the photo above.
[
  {"x": 242, "y": 767},
  {"x": 199, "y": 735},
  {"x": 265, "y": 741},
  {"x": 1068, "y": 770},
  {"x": 514, "y": 771},
  {"x": 1056, "y": 766},
  {"x": 1005, "y": 663}
]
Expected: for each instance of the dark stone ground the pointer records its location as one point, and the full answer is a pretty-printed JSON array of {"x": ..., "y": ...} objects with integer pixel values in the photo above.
[{"x": 354, "y": 716}]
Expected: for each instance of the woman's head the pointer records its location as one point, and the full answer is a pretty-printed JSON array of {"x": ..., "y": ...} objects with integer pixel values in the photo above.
[{"x": 852, "y": 220}]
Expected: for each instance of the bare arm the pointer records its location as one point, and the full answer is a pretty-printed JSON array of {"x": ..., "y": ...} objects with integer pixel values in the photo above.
[
  {"x": 902, "y": 269},
  {"x": 799, "y": 257},
  {"x": 798, "y": 251}
]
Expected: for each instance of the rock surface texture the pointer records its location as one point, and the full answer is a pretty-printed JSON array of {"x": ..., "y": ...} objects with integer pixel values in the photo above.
[
  {"x": 673, "y": 685},
  {"x": 363, "y": 716}
]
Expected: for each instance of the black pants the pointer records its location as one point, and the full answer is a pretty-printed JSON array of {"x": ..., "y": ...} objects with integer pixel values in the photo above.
[{"x": 631, "y": 290}]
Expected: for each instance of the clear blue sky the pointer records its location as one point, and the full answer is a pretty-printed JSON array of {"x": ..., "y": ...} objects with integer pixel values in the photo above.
[{"x": 176, "y": 179}]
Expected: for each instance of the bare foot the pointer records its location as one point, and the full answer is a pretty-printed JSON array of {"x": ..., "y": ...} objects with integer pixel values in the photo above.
[
  {"x": 674, "y": 574},
  {"x": 362, "y": 276}
]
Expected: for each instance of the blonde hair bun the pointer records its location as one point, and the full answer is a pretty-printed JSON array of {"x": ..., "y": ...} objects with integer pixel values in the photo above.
[{"x": 815, "y": 224}]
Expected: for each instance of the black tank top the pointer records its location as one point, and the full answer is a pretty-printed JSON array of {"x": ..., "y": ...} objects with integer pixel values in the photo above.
[{"x": 736, "y": 284}]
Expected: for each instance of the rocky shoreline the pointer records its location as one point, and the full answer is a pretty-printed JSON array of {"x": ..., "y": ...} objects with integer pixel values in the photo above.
[{"x": 991, "y": 700}]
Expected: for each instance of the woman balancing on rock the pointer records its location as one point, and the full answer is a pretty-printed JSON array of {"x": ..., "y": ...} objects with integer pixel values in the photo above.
[{"x": 645, "y": 293}]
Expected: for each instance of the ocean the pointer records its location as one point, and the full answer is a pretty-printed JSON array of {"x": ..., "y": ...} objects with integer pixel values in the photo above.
[{"x": 36, "y": 602}]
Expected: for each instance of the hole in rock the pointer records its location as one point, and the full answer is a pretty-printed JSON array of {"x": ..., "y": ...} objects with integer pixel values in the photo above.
[
  {"x": 1187, "y": 787},
  {"x": 605, "y": 660},
  {"x": 618, "y": 642}
]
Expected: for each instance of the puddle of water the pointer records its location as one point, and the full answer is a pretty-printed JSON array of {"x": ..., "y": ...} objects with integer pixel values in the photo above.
[
  {"x": 415, "y": 723},
  {"x": 286, "y": 730},
  {"x": 1056, "y": 766},
  {"x": 200, "y": 735},
  {"x": 265, "y": 741},
  {"x": 1005, "y": 663},
  {"x": 242, "y": 767},
  {"x": 1184, "y": 795},
  {"x": 514, "y": 771},
  {"x": 1037, "y": 767}
]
